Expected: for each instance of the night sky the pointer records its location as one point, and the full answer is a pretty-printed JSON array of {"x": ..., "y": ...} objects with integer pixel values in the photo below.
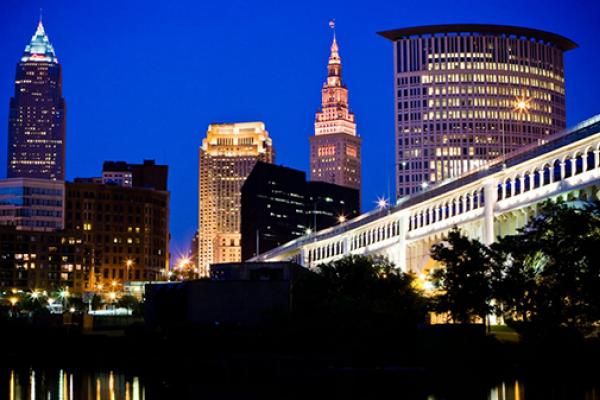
[{"x": 143, "y": 79}]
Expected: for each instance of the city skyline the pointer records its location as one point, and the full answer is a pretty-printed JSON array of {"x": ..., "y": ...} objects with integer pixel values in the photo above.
[{"x": 125, "y": 111}]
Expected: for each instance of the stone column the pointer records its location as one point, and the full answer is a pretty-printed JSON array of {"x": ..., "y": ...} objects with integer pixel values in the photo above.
[
  {"x": 490, "y": 190},
  {"x": 403, "y": 232}
]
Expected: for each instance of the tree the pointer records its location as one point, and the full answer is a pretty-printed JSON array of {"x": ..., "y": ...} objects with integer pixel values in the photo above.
[
  {"x": 549, "y": 272},
  {"x": 464, "y": 282},
  {"x": 130, "y": 302},
  {"x": 360, "y": 294}
]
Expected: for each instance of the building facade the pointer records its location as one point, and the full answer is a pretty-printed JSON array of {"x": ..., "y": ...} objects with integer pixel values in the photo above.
[
  {"x": 466, "y": 94},
  {"x": 36, "y": 122},
  {"x": 227, "y": 156},
  {"x": 335, "y": 148},
  {"x": 127, "y": 227},
  {"x": 32, "y": 204},
  {"x": 51, "y": 261},
  {"x": 279, "y": 205}
]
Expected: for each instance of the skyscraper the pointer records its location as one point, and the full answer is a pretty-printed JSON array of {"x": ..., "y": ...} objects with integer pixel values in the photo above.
[
  {"x": 278, "y": 205},
  {"x": 36, "y": 122},
  {"x": 227, "y": 156},
  {"x": 468, "y": 93},
  {"x": 335, "y": 147}
]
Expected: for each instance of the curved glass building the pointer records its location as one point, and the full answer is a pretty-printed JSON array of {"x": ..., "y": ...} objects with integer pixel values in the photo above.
[{"x": 469, "y": 93}]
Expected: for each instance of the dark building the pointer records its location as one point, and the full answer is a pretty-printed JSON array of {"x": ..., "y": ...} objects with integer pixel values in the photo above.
[
  {"x": 238, "y": 294},
  {"x": 128, "y": 227},
  {"x": 279, "y": 205},
  {"x": 146, "y": 175},
  {"x": 33, "y": 260},
  {"x": 36, "y": 122}
]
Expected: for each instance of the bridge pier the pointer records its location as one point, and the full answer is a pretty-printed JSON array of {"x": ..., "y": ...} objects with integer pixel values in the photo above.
[{"x": 490, "y": 193}]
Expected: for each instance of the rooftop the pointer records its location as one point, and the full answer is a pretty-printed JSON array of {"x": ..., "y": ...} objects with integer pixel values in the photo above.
[
  {"x": 39, "y": 49},
  {"x": 496, "y": 30}
]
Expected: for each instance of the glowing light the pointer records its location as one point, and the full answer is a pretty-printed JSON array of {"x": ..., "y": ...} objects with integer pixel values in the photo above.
[
  {"x": 522, "y": 104},
  {"x": 72, "y": 309},
  {"x": 64, "y": 294},
  {"x": 424, "y": 185},
  {"x": 129, "y": 263},
  {"x": 342, "y": 219},
  {"x": 113, "y": 283},
  {"x": 112, "y": 295},
  {"x": 183, "y": 262},
  {"x": 35, "y": 294},
  {"x": 382, "y": 202},
  {"x": 308, "y": 231},
  {"x": 13, "y": 301}
]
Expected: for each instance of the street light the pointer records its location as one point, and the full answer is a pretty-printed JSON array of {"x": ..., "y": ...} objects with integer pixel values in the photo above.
[
  {"x": 382, "y": 203},
  {"x": 128, "y": 264},
  {"x": 342, "y": 219}
]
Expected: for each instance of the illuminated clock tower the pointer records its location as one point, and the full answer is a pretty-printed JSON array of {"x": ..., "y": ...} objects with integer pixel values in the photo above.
[{"x": 335, "y": 146}]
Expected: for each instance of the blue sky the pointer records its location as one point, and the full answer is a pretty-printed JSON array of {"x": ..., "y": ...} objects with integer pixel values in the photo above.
[{"x": 143, "y": 79}]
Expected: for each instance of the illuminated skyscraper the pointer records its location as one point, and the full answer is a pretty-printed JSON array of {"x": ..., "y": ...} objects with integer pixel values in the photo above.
[
  {"x": 227, "y": 156},
  {"x": 36, "y": 124},
  {"x": 335, "y": 147},
  {"x": 467, "y": 93}
]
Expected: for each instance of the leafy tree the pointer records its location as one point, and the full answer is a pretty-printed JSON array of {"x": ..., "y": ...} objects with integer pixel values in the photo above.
[
  {"x": 549, "y": 272},
  {"x": 130, "y": 302},
  {"x": 360, "y": 294},
  {"x": 464, "y": 284}
]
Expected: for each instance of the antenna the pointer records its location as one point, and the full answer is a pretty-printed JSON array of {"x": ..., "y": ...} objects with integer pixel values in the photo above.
[
  {"x": 332, "y": 26},
  {"x": 41, "y": 13}
]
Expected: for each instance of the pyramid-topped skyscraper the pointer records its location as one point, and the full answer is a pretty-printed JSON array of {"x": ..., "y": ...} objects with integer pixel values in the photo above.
[{"x": 36, "y": 125}]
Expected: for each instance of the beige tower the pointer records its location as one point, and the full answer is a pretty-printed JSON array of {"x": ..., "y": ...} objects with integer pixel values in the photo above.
[
  {"x": 227, "y": 156},
  {"x": 335, "y": 147}
]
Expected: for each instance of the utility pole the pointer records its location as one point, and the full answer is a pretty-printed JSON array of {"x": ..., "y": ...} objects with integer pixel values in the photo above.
[{"x": 257, "y": 242}]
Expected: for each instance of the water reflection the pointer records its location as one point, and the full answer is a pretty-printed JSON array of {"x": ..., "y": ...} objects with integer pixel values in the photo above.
[
  {"x": 506, "y": 391},
  {"x": 63, "y": 384}
]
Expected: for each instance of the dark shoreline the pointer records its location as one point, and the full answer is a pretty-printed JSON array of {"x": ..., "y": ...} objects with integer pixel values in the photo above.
[{"x": 282, "y": 354}]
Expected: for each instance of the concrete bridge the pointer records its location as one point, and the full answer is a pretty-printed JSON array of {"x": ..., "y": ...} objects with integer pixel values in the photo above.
[{"x": 492, "y": 201}]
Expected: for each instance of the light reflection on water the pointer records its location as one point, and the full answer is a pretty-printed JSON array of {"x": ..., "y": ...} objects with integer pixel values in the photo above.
[{"x": 64, "y": 384}]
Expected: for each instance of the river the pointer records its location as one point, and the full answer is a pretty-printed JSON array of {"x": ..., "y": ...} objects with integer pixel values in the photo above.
[{"x": 74, "y": 384}]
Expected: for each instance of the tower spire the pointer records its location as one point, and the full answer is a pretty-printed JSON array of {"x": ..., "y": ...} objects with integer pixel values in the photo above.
[
  {"x": 334, "y": 65},
  {"x": 332, "y": 26}
]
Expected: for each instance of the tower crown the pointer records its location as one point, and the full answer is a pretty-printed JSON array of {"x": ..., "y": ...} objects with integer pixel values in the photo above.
[
  {"x": 39, "y": 49},
  {"x": 334, "y": 66}
]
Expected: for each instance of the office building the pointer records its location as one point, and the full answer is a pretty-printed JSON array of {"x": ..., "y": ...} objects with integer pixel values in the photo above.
[
  {"x": 127, "y": 227},
  {"x": 467, "y": 93},
  {"x": 279, "y": 205},
  {"x": 36, "y": 122},
  {"x": 227, "y": 156},
  {"x": 51, "y": 261},
  {"x": 335, "y": 148},
  {"x": 32, "y": 204}
]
